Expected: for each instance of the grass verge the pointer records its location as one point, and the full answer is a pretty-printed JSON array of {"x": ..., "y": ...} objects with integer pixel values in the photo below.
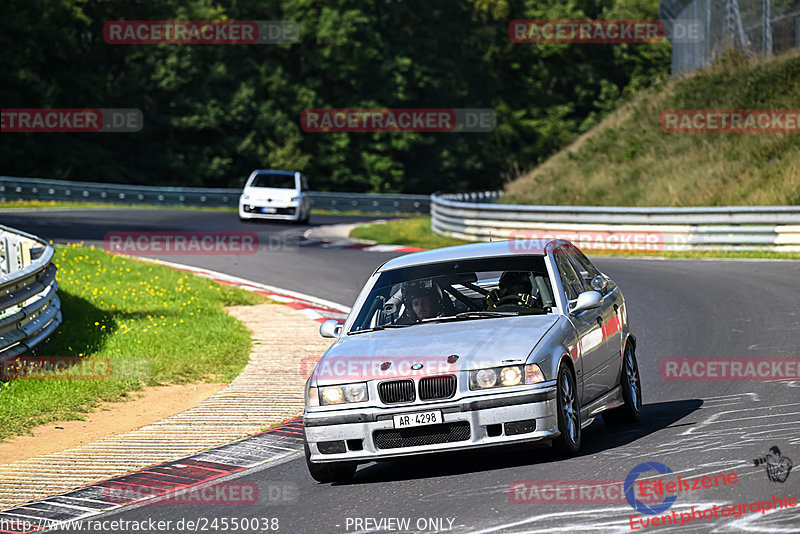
[
  {"x": 629, "y": 160},
  {"x": 414, "y": 232},
  {"x": 56, "y": 204},
  {"x": 418, "y": 233},
  {"x": 160, "y": 325}
]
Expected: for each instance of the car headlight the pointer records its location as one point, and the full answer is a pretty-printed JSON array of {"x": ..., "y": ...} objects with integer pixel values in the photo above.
[
  {"x": 313, "y": 397},
  {"x": 510, "y": 375},
  {"x": 294, "y": 199},
  {"x": 245, "y": 197},
  {"x": 533, "y": 375},
  {"x": 485, "y": 378},
  {"x": 343, "y": 394}
]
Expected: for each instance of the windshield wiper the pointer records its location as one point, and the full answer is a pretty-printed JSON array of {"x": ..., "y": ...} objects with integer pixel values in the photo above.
[
  {"x": 379, "y": 327},
  {"x": 470, "y": 315},
  {"x": 457, "y": 317}
]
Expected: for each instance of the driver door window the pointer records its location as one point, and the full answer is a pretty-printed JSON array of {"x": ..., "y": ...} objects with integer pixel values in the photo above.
[
  {"x": 583, "y": 266},
  {"x": 573, "y": 286}
]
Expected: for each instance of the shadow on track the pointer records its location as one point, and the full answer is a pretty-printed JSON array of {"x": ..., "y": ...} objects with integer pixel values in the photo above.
[{"x": 597, "y": 437}]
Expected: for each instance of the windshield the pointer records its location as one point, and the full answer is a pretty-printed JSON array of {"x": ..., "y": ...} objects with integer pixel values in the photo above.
[
  {"x": 275, "y": 181},
  {"x": 462, "y": 290}
]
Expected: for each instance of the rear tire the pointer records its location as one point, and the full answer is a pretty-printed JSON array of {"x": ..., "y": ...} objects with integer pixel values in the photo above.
[
  {"x": 569, "y": 412},
  {"x": 631, "y": 411},
  {"x": 329, "y": 472}
]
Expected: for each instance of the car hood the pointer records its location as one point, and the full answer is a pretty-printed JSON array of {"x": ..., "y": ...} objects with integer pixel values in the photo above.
[{"x": 478, "y": 343}]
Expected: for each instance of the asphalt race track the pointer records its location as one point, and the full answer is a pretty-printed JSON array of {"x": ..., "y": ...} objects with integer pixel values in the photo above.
[{"x": 677, "y": 308}]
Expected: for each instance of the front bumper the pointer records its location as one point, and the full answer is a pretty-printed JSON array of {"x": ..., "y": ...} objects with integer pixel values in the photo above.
[
  {"x": 284, "y": 212},
  {"x": 367, "y": 434}
]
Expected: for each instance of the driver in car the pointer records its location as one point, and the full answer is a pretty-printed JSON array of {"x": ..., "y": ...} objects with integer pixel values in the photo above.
[
  {"x": 420, "y": 303},
  {"x": 514, "y": 291}
]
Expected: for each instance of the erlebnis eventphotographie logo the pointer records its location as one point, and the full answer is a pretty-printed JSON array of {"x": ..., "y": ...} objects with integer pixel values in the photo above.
[{"x": 777, "y": 466}]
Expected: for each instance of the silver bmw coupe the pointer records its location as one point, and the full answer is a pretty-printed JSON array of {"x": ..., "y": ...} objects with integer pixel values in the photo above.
[{"x": 471, "y": 346}]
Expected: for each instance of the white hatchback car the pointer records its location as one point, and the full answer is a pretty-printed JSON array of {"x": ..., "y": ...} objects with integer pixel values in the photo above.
[{"x": 279, "y": 195}]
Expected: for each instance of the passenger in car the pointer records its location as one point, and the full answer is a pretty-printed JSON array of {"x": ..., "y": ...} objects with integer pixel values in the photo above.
[{"x": 514, "y": 291}]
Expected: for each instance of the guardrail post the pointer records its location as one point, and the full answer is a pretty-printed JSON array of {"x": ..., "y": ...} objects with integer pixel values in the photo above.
[
  {"x": 797, "y": 32},
  {"x": 766, "y": 30},
  {"x": 5, "y": 257}
]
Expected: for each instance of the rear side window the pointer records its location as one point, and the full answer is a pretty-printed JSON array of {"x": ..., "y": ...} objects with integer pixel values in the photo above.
[{"x": 573, "y": 286}]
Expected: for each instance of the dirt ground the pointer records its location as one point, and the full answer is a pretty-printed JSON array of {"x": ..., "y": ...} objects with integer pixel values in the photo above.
[{"x": 150, "y": 405}]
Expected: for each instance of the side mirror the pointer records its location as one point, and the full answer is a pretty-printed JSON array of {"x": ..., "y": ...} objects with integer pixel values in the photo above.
[
  {"x": 587, "y": 300},
  {"x": 330, "y": 328},
  {"x": 599, "y": 283}
]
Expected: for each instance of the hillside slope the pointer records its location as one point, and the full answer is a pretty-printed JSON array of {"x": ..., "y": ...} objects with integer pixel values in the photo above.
[{"x": 627, "y": 160}]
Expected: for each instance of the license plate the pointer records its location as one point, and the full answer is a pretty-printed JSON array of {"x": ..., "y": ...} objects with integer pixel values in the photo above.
[
  {"x": 418, "y": 419},
  {"x": 268, "y": 210}
]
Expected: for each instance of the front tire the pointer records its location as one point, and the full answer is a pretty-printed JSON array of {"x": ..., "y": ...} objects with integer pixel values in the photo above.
[
  {"x": 304, "y": 219},
  {"x": 631, "y": 385},
  {"x": 569, "y": 412},
  {"x": 329, "y": 472}
]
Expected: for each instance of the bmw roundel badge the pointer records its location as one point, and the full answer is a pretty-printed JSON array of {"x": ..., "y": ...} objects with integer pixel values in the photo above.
[{"x": 416, "y": 366}]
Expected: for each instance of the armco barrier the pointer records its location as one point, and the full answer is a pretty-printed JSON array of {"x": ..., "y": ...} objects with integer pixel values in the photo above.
[
  {"x": 475, "y": 217},
  {"x": 29, "y": 307},
  {"x": 12, "y": 188}
]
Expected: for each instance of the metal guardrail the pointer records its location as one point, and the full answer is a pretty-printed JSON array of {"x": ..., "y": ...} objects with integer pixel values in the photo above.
[
  {"x": 12, "y": 189},
  {"x": 475, "y": 217},
  {"x": 30, "y": 310}
]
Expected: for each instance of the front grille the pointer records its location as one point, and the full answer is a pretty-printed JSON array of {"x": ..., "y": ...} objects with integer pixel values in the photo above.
[
  {"x": 421, "y": 435},
  {"x": 437, "y": 387},
  {"x": 278, "y": 211},
  {"x": 397, "y": 391}
]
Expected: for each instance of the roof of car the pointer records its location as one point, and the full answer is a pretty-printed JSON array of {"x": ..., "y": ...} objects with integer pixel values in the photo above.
[{"x": 517, "y": 247}]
